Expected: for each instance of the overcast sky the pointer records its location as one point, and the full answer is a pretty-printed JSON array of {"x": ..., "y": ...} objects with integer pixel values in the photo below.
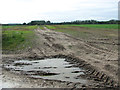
[{"x": 19, "y": 11}]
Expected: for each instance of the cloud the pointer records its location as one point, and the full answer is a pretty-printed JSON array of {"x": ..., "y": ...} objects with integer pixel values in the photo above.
[{"x": 19, "y": 11}]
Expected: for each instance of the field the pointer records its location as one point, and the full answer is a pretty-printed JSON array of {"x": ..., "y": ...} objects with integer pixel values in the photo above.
[
  {"x": 87, "y": 31},
  {"x": 92, "y": 34},
  {"x": 104, "y": 26},
  {"x": 100, "y": 26},
  {"x": 93, "y": 48}
]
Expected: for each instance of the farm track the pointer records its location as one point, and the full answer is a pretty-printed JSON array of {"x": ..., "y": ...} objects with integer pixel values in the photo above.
[{"x": 50, "y": 43}]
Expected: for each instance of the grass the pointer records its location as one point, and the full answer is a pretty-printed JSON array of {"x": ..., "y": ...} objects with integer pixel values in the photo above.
[
  {"x": 99, "y": 26},
  {"x": 17, "y": 37},
  {"x": 75, "y": 33},
  {"x": 104, "y": 26},
  {"x": 50, "y": 27}
]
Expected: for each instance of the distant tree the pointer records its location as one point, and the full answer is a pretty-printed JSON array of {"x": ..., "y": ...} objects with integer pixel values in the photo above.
[
  {"x": 42, "y": 22},
  {"x": 112, "y": 21},
  {"x": 48, "y": 22},
  {"x": 24, "y": 23}
]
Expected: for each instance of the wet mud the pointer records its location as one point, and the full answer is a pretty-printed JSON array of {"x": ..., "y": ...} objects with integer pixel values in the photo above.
[{"x": 58, "y": 68}]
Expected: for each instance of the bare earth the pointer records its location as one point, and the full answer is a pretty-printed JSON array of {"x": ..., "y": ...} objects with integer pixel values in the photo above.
[{"x": 50, "y": 43}]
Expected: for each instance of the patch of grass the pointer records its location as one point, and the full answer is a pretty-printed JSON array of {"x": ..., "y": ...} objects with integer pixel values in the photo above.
[
  {"x": 6, "y": 27},
  {"x": 12, "y": 39},
  {"x": 50, "y": 27},
  {"x": 74, "y": 33},
  {"x": 17, "y": 37}
]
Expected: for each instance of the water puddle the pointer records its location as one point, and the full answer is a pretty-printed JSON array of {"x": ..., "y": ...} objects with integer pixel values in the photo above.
[{"x": 51, "y": 69}]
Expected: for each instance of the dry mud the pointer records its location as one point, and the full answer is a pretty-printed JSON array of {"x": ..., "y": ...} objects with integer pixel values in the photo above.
[{"x": 101, "y": 65}]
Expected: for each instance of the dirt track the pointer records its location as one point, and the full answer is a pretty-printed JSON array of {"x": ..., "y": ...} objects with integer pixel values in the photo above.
[{"x": 51, "y": 43}]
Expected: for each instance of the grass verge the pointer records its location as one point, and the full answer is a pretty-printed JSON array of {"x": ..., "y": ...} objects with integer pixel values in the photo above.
[{"x": 17, "y": 37}]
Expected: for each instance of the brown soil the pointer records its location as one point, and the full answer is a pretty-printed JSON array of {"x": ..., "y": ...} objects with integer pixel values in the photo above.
[{"x": 102, "y": 63}]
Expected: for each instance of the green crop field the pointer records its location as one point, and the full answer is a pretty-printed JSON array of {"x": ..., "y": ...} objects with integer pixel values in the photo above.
[
  {"x": 16, "y": 37},
  {"x": 100, "y": 26}
]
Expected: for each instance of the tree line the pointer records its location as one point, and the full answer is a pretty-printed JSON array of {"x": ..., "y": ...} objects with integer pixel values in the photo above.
[{"x": 43, "y": 22}]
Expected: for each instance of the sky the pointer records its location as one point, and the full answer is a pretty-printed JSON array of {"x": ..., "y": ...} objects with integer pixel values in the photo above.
[{"x": 20, "y": 11}]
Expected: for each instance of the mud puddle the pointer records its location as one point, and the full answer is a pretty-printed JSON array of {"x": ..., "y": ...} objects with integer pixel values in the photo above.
[{"x": 51, "y": 69}]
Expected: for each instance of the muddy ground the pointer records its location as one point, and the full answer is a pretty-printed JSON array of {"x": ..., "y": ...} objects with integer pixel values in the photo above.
[{"x": 101, "y": 63}]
